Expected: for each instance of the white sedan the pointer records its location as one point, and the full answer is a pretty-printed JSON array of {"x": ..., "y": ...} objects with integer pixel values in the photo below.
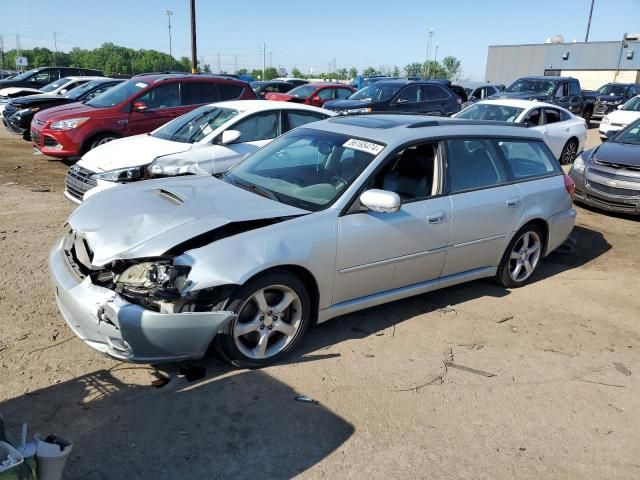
[
  {"x": 210, "y": 139},
  {"x": 620, "y": 118},
  {"x": 564, "y": 132}
]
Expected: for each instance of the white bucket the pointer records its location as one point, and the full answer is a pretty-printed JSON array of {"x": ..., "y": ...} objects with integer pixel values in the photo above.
[{"x": 51, "y": 458}]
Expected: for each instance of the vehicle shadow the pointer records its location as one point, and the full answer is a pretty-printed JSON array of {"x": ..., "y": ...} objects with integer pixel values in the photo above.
[
  {"x": 232, "y": 424},
  {"x": 584, "y": 246}
]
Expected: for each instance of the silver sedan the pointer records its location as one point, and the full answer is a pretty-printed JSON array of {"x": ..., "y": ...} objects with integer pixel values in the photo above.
[{"x": 340, "y": 215}]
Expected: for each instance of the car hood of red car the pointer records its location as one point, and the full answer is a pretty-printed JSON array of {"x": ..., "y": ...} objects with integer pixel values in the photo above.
[
  {"x": 72, "y": 110},
  {"x": 281, "y": 97}
]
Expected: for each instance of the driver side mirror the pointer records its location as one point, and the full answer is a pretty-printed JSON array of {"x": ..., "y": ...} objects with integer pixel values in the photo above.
[
  {"x": 609, "y": 134},
  {"x": 528, "y": 124},
  {"x": 229, "y": 136},
  {"x": 619, "y": 107},
  {"x": 139, "y": 106},
  {"x": 316, "y": 100},
  {"x": 381, "y": 201}
]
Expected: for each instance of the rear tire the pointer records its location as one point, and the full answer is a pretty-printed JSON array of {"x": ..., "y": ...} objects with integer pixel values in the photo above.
[
  {"x": 521, "y": 257},
  {"x": 102, "y": 139},
  {"x": 588, "y": 113},
  {"x": 273, "y": 312},
  {"x": 569, "y": 152}
]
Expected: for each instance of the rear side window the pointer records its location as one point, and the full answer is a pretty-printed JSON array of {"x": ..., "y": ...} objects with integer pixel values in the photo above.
[
  {"x": 297, "y": 119},
  {"x": 262, "y": 126},
  {"x": 564, "y": 115},
  {"x": 432, "y": 92},
  {"x": 528, "y": 159},
  {"x": 229, "y": 91},
  {"x": 552, "y": 115},
  {"x": 408, "y": 95},
  {"x": 343, "y": 92},
  {"x": 325, "y": 94},
  {"x": 473, "y": 164},
  {"x": 574, "y": 88},
  {"x": 195, "y": 93},
  {"x": 163, "y": 96}
]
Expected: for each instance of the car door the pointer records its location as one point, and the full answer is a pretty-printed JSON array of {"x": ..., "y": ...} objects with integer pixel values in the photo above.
[
  {"x": 486, "y": 207},
  {"x": 383, "y": 251},
  {"x": 555, "y": 131},
  {"x": 322, "y": 96},
  {"x": 435, "y": 100},
  {"x": 561, "y": 96},
  {"x": 255, "y": 131},
  {"x": 342, "y": 93},
  {"x": 407, "y": 100},
  {"x": 155, "y": 107}
]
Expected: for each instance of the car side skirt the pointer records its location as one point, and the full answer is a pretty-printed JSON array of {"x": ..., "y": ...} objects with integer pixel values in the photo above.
[{"x": 404, "y": 292}]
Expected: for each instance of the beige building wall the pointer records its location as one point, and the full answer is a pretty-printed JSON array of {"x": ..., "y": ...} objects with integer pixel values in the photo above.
[{"x": 593, "y": 79}]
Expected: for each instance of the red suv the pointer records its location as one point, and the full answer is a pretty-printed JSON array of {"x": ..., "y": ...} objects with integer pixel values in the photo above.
[
  {"x": 139, "y": 105},
  {"x": 313, "y": 93}
]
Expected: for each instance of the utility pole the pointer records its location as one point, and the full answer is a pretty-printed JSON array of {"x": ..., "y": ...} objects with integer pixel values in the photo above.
[
  {"x": 55, "y": 47},
  {"x": 270, "y": 59},
  {"x": 219, "y": 67},
  {"x": 1, "y": 52},
  {"x": 586, "y": 37},
  {"x": 429, "y": 37},
  {"x": 18, "y": 48},
  {"x": 194, "y": 57},
  {"x": 264, "y": 59},
  {"x": 169, "y": 13},
  {"x": 235, "y": 63},
  {"x": 435, "y": 61}
]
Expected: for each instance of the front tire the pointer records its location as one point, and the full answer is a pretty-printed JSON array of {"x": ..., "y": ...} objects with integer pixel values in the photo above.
[
  {"x": 102, "y": 139},
  {"x": 273, "y": 312},
  {"x": 521, "y": 257}
]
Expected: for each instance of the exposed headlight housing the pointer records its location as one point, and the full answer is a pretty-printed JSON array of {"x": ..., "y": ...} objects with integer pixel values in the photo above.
[
  {"x": 68, "y": 124},
  {"x": 160, "y": 279},
  {"x": 579, "y": 164},
  {"x": 358, "y": 110},
  {"x": 122, "y": 175},
  {"x": 605, "y": 119}
]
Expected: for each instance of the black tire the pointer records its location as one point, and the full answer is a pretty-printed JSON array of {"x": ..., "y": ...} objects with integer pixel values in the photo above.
[
  {"x": 241, "y": 300},
  {"x": 587, "y": 116},
  {"x": 569, "y": 152},
  {"x": 102, "y": 139},
  {"x": 504, "y": 275}
]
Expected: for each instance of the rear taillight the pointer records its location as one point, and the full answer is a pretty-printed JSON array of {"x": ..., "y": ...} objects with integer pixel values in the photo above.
[{"x": 570, "y": 186}]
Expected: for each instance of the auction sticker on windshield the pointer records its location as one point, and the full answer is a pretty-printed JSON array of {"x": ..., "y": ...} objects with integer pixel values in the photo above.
[{"x": 363, "y": 146}]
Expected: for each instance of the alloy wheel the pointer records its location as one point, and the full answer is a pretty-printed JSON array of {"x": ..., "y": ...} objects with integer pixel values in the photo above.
[
  {"x": 267, "y": 322},
  {"x": 525, "y": 256},
  {"x": 570, "y": 152}
]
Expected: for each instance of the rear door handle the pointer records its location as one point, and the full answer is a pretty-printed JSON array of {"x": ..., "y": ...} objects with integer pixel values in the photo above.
[
  {"x": 435, "y": 217},
  {"x": 513, "y": 202}
]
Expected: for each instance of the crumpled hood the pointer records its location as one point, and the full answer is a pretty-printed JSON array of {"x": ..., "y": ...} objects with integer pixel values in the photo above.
[
  {"x": 618, "y": 153},
  {"x": 130, "y": 152},
  {"x": 520, "y": 96},
  {"x": 12, "y": 91},
  {"x": 146, "y": 219}
]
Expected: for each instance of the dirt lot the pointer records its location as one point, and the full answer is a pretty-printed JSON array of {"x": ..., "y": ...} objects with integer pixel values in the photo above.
[{"x": 563, "y": 403}]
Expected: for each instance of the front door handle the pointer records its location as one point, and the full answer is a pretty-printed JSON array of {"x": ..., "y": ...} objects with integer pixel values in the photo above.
[
  {"x": 435, "y": 217},
  {"x": 513, "y": 202}
]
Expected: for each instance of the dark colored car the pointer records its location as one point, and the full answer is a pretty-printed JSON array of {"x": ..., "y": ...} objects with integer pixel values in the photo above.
[
  {"x": 41, "y": 76},
  {"x": 433, "y": 97},
  {"x": 17, "y": 115},
  {"x": 562, "y": 91},
  {"x": 6, "y": 74},
  {"x": 477, "y": 91},
  {"x": 263, "y": 87},
  {"x": 608, "y": 176},
  {"x": 135, "y": 106},
  {"x": 316, "y": 94},
  {"x": 612, "y": 95},
  {"x": 295, "y": 81}
]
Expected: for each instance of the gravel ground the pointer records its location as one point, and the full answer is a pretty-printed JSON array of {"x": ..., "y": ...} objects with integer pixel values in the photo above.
[{"x": 563, "y": 401}]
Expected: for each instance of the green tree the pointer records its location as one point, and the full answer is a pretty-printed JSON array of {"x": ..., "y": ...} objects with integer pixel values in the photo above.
[
  {"x": 396, "y": 71},
  {"x": 270, "y": 73},
  {"x": 353, "y": 73},
  {"x": 256, "y": 74},
  {"x": 295, "y": 73},
  {"x": 452, "y": 67},
  {"x": 343, "y": 73},
  {"x": 369, "y": 71},
  {"x": 413, "y": 69},
  {"x": 242, "y": 71}
]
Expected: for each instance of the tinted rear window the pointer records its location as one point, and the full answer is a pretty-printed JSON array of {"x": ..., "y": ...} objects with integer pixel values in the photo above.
[
  {"x": 195, "y": 93},
  {"x": 528, "y": 159},
  {"x": 229, "y": 91}
]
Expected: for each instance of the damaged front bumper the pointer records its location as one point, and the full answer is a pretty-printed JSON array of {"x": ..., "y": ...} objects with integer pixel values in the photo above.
[{"x": 125, "y": 331}]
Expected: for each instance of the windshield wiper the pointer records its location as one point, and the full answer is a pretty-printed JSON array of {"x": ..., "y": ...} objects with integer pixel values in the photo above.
[{"x": 256, "y": 189}]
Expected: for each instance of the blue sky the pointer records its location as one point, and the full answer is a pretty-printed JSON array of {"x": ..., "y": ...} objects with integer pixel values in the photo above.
[{"x": 311, "y": 34}]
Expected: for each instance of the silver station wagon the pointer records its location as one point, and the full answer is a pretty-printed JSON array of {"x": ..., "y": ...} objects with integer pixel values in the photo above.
[{"x": 337, "y": 216}]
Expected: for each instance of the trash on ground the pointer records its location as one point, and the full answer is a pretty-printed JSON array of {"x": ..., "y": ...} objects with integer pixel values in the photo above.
[
  {"x": 505, "y": 319},
  {"x": 470, "y": 370},
  {"x": 622, "y": 369},
  {"x": 10, "y": 183},
  {"x": 41, "y": 189},
  {"x": 304, "y": 399}
]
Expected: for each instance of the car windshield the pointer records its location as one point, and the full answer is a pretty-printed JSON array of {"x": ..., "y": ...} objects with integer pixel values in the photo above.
[
  {"x": 630, "y": 135},
  {"x": 50, "y": 87},
  {"x": 544, "y": 87},
  {"x": 376, "y": 92},
  {"x": 490, "y": 111},
  {"x": 195, "y": 125},
  {"x": 303, "y": 91},
  {"x": 26, "y": 75},
  {"x": 117, "y": 94},
  {"x": 306, "y": 168},
  {"x": 613, "y": 89},
  {"x": 632, "y": 105},
  {"x": 76, "y": 93}
]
